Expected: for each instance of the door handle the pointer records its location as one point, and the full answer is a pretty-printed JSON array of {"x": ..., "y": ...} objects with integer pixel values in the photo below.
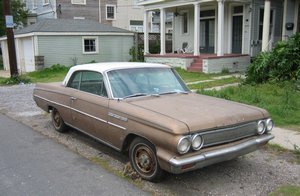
[{"x": 73, "y": 98}]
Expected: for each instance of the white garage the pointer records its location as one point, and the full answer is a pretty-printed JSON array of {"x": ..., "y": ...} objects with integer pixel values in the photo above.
[{"x": 67, "y": 42}]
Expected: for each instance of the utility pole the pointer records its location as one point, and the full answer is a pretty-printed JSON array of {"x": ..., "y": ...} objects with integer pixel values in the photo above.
[{"x": 10, "y": 39}]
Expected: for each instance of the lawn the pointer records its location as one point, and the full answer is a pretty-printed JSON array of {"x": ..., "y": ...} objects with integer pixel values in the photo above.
[
  {"x": 48, "y": 75},
  {"x": 281, "y": 100},
  {"x": 289, "y": 190},
  {"x": 214, "y": 83},
  {"x": 194, "y": 76},
  {"x": 55, "y": 73}
]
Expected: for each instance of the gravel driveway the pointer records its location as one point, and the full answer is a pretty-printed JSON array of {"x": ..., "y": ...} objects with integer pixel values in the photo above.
[{"x": 257, "y": 173}]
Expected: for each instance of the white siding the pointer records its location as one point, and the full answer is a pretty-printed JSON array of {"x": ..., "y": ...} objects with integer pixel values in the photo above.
[
  {"x": 126, "y": 11},
  {"x": 67, "y": 50}
]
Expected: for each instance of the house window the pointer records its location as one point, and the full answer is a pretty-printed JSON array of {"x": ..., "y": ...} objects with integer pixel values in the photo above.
[
  {"x": 110, "y": 12},
  {"x": 136, "y": 25},
  {"x": 207, "y": 13},
  {"x": 185, "y": 23},
  {"x": 80, "y": 2},
  {"x": 45, "y": 2},
  {"x": 238, "y": 10},
  {"x": 261, "y": 23},
  {"x": 34, "y": 4},
  {"x": 90, "y": 45}
]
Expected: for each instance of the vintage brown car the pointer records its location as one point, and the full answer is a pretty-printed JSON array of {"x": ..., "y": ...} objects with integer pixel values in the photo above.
[{"x": 147, "y": 110}]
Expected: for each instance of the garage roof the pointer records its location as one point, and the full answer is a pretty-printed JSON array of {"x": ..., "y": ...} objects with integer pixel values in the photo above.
[{"x": 69, "y": 25}]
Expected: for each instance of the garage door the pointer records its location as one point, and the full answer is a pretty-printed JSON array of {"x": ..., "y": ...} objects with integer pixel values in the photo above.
[{"x": 28, "y": 55}]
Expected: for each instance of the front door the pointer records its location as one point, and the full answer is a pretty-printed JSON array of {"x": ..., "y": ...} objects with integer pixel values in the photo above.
[
  {"x": 237, "y": 30},
  {"x": 89, "y": 104},
  {"x": 207, "y": 36}
]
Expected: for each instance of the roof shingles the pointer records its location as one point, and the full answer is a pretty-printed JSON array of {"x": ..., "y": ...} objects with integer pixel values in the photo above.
[{"x": 67, "y": 25}]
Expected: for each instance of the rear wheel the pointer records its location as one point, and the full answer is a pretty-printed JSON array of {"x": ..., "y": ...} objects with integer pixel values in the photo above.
[
  {"x": 143, "y": 160},
  {"x": 57, "y": 121}
]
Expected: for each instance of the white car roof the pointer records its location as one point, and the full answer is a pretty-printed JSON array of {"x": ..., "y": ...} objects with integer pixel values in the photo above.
[{"x": 104, "y": 67}]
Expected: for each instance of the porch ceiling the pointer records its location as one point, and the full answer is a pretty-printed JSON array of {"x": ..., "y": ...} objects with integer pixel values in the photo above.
[{"x": 170, "y": 5}]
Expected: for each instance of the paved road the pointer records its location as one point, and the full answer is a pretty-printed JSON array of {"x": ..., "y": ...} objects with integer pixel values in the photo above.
[{"x": 32, "y": 164}]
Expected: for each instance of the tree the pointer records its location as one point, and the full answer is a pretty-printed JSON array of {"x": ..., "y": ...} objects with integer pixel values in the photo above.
[{"x": 19, "y": 14}]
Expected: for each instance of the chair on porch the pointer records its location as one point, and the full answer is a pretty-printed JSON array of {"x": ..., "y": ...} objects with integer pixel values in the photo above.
[{"x": 185, "y": 48}]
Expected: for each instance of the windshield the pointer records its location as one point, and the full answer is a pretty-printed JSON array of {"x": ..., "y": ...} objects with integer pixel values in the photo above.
[{"x": 126, "y": 83}]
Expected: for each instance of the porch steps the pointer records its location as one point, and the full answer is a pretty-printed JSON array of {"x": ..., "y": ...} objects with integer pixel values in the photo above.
[{"x": 196, "y": 66}]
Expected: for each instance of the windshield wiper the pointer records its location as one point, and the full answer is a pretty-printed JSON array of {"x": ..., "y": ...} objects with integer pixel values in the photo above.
[
  {"x": 135, "y": 95},
  {"x": 173, "y": 92}
]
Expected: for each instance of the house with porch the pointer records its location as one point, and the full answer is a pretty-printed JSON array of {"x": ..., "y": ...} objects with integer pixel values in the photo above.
[
  {"x": 125, "y": 14},
  {"x": 212, "y": 35}
]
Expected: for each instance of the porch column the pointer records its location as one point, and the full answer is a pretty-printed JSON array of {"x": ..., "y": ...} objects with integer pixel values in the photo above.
[
  {"x": 266, "y": 26},
  {"x": 196, "y": 28},
  {"x": 162, "y": 31},
  {"x": 220, "y": 49},
  {"x": 146, "y": 33},
  {"x": 283, "y": 36}
]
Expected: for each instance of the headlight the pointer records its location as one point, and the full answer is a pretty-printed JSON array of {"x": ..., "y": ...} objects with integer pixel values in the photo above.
[
  {"x": 269, "y": 124},
  {"x": 197, "y": 142},
  {"x": 184, "y": 145},
  {"x": 261, "y": 127}
]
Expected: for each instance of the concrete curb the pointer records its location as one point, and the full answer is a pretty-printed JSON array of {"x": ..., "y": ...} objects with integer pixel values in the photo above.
[
  {"x": 4, "y": 74},
  {"x": 286, "y": 138}
]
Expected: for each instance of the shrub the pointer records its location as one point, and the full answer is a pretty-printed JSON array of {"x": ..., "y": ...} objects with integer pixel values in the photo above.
[
  {"x": 136, "y": 54},
  {"x": 281, "y": 64},
  {"x": 154, "y": 49},
  {"x": 56, "y": 68}
]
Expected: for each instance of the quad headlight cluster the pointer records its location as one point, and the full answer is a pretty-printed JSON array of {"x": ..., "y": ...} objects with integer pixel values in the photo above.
[
  {"x": 187, "y": 142},
  {"x": 195, "y": 142},
  {"x": 265, "y": 126}
]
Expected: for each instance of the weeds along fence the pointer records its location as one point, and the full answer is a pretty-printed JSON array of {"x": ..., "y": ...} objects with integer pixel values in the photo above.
[{"x": 154, "y": 42}]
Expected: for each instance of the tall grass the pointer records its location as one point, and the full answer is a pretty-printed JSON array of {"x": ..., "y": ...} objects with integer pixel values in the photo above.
[
  {"x": 281, "y": 100},
  {"x": 52, "y": 74}
]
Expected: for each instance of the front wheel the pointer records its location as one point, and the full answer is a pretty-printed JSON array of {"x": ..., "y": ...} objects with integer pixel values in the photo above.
[
  {"x": 143, "y": 160},
  {"x": 57, "y": 121}
]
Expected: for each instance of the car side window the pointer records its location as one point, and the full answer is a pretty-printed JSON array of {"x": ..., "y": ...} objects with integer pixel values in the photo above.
[
  {"x": 89, "y": 81},
  {"x": 75, "y": 80}
]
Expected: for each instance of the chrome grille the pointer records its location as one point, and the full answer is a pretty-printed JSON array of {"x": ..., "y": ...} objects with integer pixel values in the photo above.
[{"x": 229, "y": 134}]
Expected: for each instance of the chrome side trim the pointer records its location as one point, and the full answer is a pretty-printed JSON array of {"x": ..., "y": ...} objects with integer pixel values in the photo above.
[
  {"x": 91, "y": 116},
  {"x": 94, "y": 137},
  {"x": 68, "y": 107},
  {"x": 214, "y": 156},
  {"x": 94, "y": 117},
  {"x": 118, "y": 126},
  {"x": 117, "y": 116}
]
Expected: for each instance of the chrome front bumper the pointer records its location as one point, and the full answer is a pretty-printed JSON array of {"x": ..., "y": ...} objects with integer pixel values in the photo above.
[{"x": 180, "y": 165}]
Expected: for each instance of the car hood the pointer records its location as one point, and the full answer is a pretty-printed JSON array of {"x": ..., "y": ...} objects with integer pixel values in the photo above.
[{"x": 200, "y": 112}]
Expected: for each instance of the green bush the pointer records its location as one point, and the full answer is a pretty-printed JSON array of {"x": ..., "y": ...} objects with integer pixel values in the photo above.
[
  {"x": 281, "y": 64},
  {"x": 136, "y": 55},
  {"x": 56, "y": 68},
  {"x": 154, "y": 49}
]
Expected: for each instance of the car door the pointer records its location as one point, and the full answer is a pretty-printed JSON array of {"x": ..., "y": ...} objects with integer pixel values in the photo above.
[{"x": 89, "y": 104}]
